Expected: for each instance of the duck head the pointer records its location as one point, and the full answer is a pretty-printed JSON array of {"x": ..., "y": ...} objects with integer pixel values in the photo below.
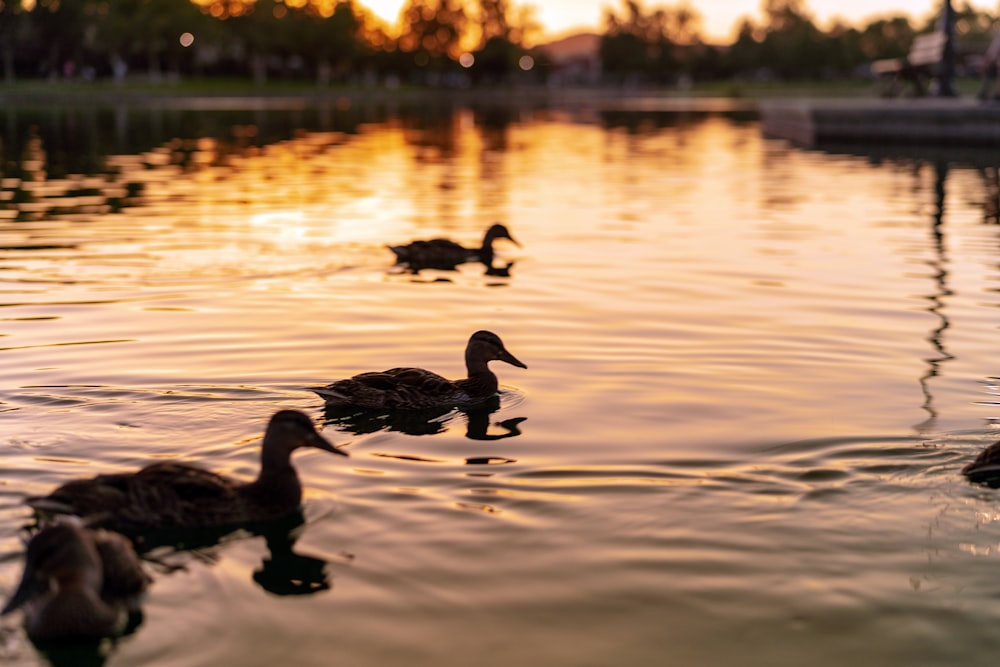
[
  {"x": 486, "y": 346},
  {"x": 498, "y": 231},
  {"x": 293, "y": 429}
]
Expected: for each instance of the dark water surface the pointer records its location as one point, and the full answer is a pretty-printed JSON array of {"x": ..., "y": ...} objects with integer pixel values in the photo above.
[{"x": 755, "y": 372}]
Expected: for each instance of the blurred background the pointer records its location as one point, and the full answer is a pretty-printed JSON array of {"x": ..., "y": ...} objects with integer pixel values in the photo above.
[{"x": 461, "y": 44}]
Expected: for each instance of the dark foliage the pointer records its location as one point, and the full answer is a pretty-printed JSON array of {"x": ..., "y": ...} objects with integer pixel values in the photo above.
[{"x": 330, "y": 41}]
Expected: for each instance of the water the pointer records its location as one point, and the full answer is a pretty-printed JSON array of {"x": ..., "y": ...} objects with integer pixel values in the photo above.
[{"x": 755, "y": 372}]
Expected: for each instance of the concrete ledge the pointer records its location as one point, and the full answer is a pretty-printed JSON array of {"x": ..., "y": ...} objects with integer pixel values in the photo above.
[{"x": 946, "y": 122}]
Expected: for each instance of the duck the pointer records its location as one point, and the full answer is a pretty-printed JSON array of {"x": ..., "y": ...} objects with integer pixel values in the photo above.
[
  {"x": 985, "y": 468},
  {"x": 420, "y": 389},
  {"x": 79, "y": 584},
  {"x": 175, "y": 496},
  {"x": 446, "y": 254}
]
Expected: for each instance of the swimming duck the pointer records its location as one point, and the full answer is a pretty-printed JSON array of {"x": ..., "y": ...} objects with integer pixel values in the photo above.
[
  {"x": 985, "y": 469},
  {"x": 169, "y": 495},
  {"x": 78, "y": 584},
  {"x": 446, "y": 254},
  {"x": 419, "y": 389}
]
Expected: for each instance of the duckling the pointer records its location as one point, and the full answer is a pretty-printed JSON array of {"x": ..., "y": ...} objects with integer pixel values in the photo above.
[
  {"x": 446, "y": 254},
  {"x": 169, "y": 495},
  {"x": 78, "y": 584},
  {"x": 419, "y": 389},
  {"x": 985, "y": 469}
]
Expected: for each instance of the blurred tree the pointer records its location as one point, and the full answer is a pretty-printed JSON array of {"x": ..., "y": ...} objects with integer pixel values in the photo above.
[
  {"x": 682, "y": 24},
  {"x": 495, "y": 60},
  {"x": 378, "y": 48},
  {"x": 432, "y": 32},
  {"x": 58, "y": 31},
  {"x": 844, "y": 45},
  {"x": 339, "y": 40},
  {"x": 145, "y": 30},
  {"x": 331, "y": 41},
  {"x": 494, "y": 19},
  {"x": 623, "y": 45},
  {"x": 502, "y": 30},
  {"x": 784, "y": 15},
  {"x": 13, "y": 25},
  {"x": 886, "y": 38},
  {"x": 344, "y": 45},
  {"x": 637, "y": 46},
  {"x": 525, "y": 27},
  {"x": 793, "y": 46},
  {"x": 745, "y": 56},
  {"x": 261, "y": 35}
]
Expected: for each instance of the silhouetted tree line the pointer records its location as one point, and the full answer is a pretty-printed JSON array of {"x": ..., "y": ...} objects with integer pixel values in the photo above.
[
  {"x": 664, "y": 45},
  {"x": 443, "y": 42}
]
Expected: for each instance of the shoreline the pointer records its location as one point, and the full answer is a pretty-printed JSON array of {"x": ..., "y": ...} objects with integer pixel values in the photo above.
[
  {"x": 251, "y": 97},
  {"x": 230, "y": 94}
]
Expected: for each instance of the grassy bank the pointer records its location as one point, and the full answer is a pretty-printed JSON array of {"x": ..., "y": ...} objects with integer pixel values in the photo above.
[{"x": 144, "y": 91}]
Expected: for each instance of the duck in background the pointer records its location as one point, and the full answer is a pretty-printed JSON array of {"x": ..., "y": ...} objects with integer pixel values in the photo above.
[
  {"x": 419, "y": 389},
  {"x": 445, "y": 254},
  {"x": 79, "y": 585},
  {"x": 172, "y": 496}
]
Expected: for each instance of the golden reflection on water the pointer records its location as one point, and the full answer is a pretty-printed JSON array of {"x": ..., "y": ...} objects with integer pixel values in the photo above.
[
  {"x": 754, "y": 374},
  {"x": 681, "y": 215}
]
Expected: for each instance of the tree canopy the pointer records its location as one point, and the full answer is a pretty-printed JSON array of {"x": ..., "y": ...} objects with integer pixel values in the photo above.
[{"x": 438, "y": 41}]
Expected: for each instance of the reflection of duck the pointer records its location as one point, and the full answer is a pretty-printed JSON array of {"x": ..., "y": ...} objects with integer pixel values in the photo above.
[
  {"x": 360, "y": 421},
  {"x": 284, "y": 571},
  {"x": 422, "y": 422},
  {"x": 175, "y": 496},
  {"x": 78, "y": 585},
  {"x": 419, "y": 389},
  {"x": 499, "y": 271},
  {"x": 446, "y": 254},
  {"x": 985, "y": 469},
  {"x": 479, "y": 423}
]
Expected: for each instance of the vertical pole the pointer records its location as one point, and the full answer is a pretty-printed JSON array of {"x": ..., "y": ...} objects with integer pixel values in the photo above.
[{"x": 946, "y": 70}]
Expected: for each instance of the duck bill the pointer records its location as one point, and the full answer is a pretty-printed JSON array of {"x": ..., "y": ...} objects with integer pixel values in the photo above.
[
  {"x": 319, "y": 442},
  {"x": 514, "y": 241},
  {"x": 511, "y": 359},
  {"x": 25, "y": 591}
]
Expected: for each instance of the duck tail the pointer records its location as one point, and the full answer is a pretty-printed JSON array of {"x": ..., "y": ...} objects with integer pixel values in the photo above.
[
  {"x": 47, "y": 505},
  {"x": 330, "y": 395}
]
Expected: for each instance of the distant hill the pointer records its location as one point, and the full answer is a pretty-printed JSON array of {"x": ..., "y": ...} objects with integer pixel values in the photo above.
[{"x": 584, "y": 45}]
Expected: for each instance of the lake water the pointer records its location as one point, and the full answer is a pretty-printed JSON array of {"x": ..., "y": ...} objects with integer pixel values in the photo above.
[{"x": 754, "y": 374}]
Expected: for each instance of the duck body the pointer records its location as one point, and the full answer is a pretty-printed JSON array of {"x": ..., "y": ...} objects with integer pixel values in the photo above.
[
  {"x": 420, "y": 389},
  {"x": 446, "y": 254},
  {"x": 175, "y": 496},
  {"x": 985, "y": 468},
  {"x": 78, "y": 584}
]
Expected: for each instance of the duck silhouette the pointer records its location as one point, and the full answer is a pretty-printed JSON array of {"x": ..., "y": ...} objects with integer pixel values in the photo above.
[
  {"x": 420, "y": 389},
  {"x": 78, "y": 585},
  {"x": 172, "y": 496},
  {"x": 446, "y": 254}
]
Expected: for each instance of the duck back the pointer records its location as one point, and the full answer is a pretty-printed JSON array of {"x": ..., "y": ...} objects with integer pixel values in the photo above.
[
  {"x": 396, "y": 388},
  {"x": 166, "y": 496}
]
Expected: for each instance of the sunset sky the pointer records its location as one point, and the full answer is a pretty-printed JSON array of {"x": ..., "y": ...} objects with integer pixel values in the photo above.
[{"x": 719, "y": 16}]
